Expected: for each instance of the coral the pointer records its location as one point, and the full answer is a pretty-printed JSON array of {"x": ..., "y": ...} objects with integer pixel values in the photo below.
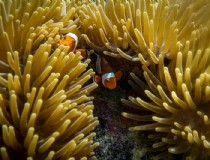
[
  {"x": 179, "y": 100},
  {"x": 46, "y": 111},
  {"x": 126, "y": 28}
]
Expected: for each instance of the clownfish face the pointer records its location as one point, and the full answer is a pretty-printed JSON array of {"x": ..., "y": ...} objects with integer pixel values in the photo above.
[
  {"x": 110, "y": 83},
  {"x": 109, "y": 80},
  {"x": 70, "y": 40}
]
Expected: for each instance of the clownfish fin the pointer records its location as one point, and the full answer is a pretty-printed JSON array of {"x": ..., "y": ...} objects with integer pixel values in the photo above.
[
  {"x": 82, "y": 51},
  {"x": 118, "y": 75},
  {"x": 97, "y": 79}
]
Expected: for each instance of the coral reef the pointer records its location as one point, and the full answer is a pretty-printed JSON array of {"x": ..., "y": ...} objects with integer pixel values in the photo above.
[
  {"x": 46, "y": 111},
  {"x": 126, "y": 28},
  {"x": 179, "y": 100}
]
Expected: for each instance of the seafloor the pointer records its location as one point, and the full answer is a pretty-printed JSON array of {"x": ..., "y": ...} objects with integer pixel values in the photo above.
[{"x": 116, "y": 142}]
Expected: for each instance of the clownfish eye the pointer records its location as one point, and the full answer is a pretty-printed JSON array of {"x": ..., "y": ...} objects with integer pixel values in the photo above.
[{"x": 107, "y": 80}]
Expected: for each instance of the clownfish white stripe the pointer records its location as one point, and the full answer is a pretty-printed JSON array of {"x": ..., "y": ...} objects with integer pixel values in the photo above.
[
  {"x": 98, "y": 65},
  {"x": 107, "y": 76},
  {"x": 74, "y": 36}
]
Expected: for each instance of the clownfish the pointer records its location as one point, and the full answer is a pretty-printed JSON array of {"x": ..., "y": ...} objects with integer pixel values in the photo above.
[
  {"x": 106, "y": 75},
  {"x": 71, "y": 40}
]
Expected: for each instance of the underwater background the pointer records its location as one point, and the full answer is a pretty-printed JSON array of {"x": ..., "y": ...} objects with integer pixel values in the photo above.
[{"x": 104, "y": 79}]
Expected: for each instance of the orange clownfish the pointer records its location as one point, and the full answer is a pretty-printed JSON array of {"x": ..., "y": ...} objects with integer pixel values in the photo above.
[
  {"x": 71, "y": 40},
  {"x": 108, "y": 77}
]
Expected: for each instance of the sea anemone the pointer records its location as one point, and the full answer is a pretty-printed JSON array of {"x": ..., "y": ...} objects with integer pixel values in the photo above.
[
  {"x": 46, "y": 111},
  {"x": 179, "y": 100},
  {"x": 22, "y": 21},
  {"x": 125, "y": 28}
]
